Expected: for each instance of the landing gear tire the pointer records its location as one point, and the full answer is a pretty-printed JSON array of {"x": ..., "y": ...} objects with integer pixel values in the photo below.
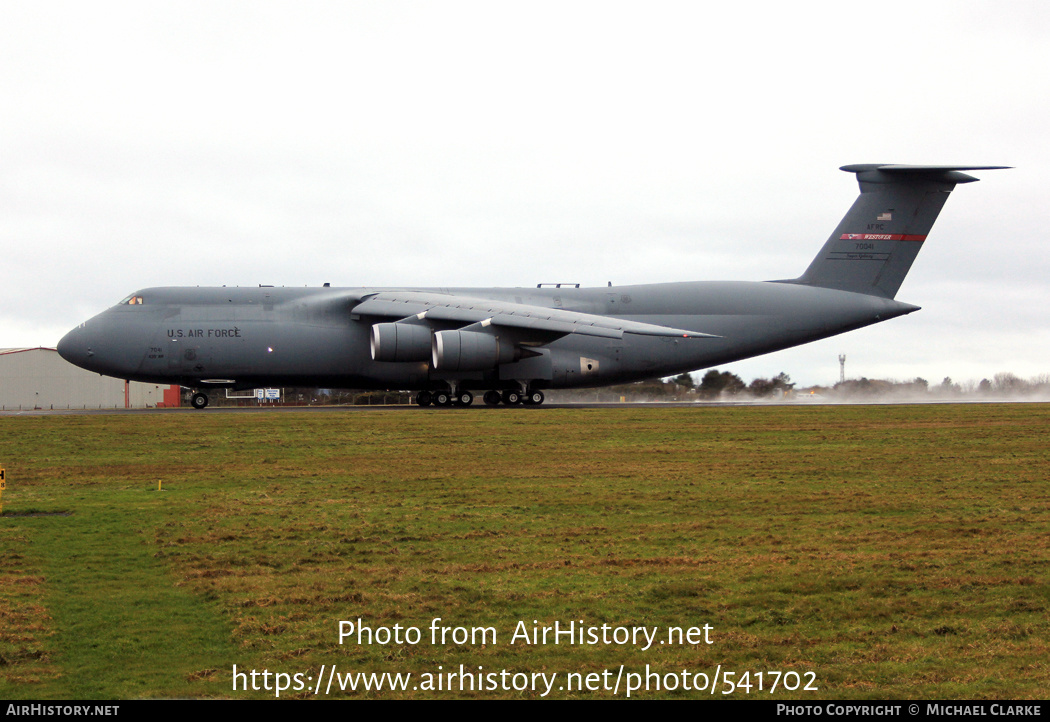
[
  {"x": 442, "y": 398},
  {"x": 534, "y": 398},
  {"x": 511, "y": 398},
  {"x": 424, "y": 398},
  {"x": 466, "y": 398},
  {"x": 492, "y": 398},
  {"x": 199, "y": 400}
]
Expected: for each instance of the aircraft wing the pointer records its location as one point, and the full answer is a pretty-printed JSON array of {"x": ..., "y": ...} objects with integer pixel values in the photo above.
[{"x": 424, "y": 306}]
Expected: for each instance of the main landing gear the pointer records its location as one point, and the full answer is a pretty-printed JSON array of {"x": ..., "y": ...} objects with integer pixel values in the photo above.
[
  {"x": 533, "y": 398},
  {"x": 509, "y": 397},
  {"x": 444, "y": 398},
  {"x": 492, "y": 398}
]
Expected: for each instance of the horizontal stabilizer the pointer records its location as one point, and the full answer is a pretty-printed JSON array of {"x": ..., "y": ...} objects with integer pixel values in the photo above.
[{"x": 944, "y": 173}]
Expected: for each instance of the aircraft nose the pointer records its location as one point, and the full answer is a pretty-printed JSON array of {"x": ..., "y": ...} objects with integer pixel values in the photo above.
[{"x": 75, "y": 349}]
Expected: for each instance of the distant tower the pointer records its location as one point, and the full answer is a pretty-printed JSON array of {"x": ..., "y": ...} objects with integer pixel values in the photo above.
[{"x": 842, "y": 368}]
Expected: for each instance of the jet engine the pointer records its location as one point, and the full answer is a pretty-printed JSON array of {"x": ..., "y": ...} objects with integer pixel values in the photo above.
[
  {"x": 400, "y": 342},
  {"x": 470, "y": 351}
]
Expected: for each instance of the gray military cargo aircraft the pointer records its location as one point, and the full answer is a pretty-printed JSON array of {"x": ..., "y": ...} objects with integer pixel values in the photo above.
[{"x": 512, "y": 343}]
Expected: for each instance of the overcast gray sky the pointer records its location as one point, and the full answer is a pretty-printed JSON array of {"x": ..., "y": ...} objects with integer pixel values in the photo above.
[{"x": 487, "y": 143}]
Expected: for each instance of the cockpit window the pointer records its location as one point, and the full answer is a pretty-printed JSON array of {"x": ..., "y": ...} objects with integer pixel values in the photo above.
[{"x": 131, "y": 301}]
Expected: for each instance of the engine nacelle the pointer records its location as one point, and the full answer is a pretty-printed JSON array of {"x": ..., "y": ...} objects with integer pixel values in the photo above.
[
  {"x": 470, "y": 351},
  {"x": 400, "y": 342}
]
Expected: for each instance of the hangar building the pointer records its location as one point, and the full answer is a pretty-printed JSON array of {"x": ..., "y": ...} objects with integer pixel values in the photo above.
[{"x": 38, "y": 378}]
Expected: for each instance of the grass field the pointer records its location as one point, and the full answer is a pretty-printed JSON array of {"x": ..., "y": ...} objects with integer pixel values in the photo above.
[{"x": 892, "y": 551}]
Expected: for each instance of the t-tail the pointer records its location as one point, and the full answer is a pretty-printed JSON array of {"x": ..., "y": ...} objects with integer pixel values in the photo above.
[{"x": 875, "y": 244}]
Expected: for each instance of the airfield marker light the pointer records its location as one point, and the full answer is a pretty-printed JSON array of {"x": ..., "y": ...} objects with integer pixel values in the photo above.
[{"x": 3, "y": 485}]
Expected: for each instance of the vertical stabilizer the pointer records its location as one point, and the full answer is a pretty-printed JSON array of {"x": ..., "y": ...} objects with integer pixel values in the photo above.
[{"x": 876, "y": 242}]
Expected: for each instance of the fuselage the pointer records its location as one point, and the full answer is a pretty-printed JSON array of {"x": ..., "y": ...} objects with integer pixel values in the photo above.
[
  {"x": 514, "y": 342},
  {"x": 311, "y": 337}
]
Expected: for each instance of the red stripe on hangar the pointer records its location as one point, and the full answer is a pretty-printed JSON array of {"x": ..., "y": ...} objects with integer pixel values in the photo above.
[{"x": 879, "y": 237}]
